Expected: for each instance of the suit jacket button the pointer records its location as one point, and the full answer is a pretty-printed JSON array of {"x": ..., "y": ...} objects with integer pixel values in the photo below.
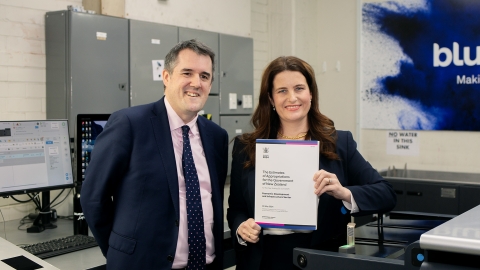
[
  {"x": 176, "y": 223},
  {"x": 170, "y": 258}
]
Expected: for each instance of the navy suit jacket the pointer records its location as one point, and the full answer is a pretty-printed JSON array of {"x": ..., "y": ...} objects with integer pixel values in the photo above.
[
  {"x": 130, "y": 194},
  {"x": 371, "y": 192}
]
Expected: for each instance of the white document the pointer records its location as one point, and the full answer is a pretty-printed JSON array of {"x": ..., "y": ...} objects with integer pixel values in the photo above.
[{"x": 284, "y": 195}]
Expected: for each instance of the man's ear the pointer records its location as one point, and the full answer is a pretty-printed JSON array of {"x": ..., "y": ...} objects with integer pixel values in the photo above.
[{"x": 166, "y": 77}]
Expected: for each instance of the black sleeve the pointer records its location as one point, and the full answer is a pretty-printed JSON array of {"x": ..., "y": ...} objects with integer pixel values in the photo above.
[
  {"x": 237, "y": 211},
  {"x": 110, "y": 157},
  {"x": 372, "y": 193}
]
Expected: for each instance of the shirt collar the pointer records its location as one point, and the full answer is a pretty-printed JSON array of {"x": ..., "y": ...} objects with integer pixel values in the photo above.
[{"x": 176, "y": 122}]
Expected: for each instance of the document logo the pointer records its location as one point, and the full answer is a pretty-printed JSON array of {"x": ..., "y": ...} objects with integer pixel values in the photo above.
[{"x": 265, "y": 151}]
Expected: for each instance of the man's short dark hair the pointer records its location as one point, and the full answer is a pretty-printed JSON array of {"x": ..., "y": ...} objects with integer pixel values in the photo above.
[{"x": 194, "y": 45}]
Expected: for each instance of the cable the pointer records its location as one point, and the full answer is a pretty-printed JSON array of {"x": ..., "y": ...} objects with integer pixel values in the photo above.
[
  {"x": 35, "y": 201},
  {"x": 23, "y": 222},
  {"x": 20, "y": 201},
  {"x": 70, "y": 217},
  {"x": 66, "y": 196},
  {"x": 42, "y": 208}
]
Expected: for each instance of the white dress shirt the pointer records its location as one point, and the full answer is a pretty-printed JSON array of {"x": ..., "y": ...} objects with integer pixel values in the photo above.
[{"x": 176, "y": 123}]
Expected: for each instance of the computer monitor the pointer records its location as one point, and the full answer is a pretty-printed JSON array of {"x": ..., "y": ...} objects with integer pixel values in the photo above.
[
  {"x": 35, "y": 156},
  {"x": 88, "y": 127}
]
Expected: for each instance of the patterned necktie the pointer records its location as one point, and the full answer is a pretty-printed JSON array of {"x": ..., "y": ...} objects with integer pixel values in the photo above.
[{"x": 196, "y": 233}]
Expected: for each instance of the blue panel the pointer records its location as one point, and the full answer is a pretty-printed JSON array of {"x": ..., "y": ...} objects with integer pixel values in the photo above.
[{"x": 447, "y": 93}]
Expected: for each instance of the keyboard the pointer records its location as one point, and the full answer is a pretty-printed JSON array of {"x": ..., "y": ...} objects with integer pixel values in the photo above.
[{"x": 61, "y": 246}]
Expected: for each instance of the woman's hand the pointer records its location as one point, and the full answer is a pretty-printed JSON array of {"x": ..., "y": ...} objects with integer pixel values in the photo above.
[
  {"x": 249, "y": 231},
  {"x": 329, "y": 183}
]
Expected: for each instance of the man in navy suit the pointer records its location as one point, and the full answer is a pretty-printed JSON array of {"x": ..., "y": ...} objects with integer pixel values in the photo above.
[{"x": 134, "y": 197}]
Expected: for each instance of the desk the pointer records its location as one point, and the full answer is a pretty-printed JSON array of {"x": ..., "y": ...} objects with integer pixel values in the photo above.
[
  {"x": 13, "y": 257},
  {"x": 82, "y": 259},
  {"x": 78, "y": 260}
]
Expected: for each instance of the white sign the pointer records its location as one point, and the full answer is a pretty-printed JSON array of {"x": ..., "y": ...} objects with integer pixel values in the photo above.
[
  {"x": 403, "y": 143},
  {"x": 157, "y": 67},
  {"x": 232, "y": 101},
  {"x": 101, "y": 36},
  {"x": 247, "y": 101}
]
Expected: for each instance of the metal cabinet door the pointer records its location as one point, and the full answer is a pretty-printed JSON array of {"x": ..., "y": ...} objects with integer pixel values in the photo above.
[
  {"x": 211, "y": 109},
  {"x": 235, "y": 125},
  {"x": 432, "y": 198},
  {"x": 56, "y": 63},
  {"x": 211, "y": 40},
  {"x": 149, "y": 42},
  {"x": 468, "y": 198},
  {"x": 236, "y": 75},
  {"x": 98, "y": 51}
]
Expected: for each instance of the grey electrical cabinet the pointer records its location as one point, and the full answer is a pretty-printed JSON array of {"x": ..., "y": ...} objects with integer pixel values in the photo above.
[
  {"x": 235, "y": 125},
  {"x": 236, "y": 86},
  {"x": 100, "y": 64},
  {"x": 149, "y": 44},
  {"x": 87, "y": 64},
  {"x": 211, "y": 110},
  {"x": 236, "y": 75},
  {"x": 211, "y": 40}
]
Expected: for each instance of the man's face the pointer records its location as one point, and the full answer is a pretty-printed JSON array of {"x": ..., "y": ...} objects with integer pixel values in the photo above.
[{"x": 188, "y": 86}]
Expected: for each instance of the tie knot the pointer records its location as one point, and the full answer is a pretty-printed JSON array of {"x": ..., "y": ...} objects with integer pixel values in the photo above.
[{"x": 185, "y": 130}]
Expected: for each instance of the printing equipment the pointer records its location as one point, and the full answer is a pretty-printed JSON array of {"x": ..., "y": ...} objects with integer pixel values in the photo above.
[{"x": 424, "y": 241}]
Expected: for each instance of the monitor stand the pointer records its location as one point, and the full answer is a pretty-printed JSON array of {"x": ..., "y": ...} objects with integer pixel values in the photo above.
[{"x": 42, "y": 221}]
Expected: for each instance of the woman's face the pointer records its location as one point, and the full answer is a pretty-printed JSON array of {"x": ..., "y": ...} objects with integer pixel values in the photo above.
[{"x": 291, "y": 96}]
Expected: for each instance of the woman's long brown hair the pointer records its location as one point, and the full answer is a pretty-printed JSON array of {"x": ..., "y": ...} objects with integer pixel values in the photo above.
[{"x": 266, "y": 121}]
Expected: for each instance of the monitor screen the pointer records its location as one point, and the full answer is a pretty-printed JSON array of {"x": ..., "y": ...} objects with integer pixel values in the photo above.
[
  {"x": 88, "y": 127},
  {"x": 34, "y": 156}
]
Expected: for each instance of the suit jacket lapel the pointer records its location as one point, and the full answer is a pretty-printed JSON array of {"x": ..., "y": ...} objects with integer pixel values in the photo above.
[{"x": 163, "y": 139}]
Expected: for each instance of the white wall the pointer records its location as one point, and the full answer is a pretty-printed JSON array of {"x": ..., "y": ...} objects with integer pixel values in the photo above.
[
  {"x": 449, "y": 151},
  {"x": 22, "y": 57},
  {"x": 314, "y": 31},
  {"x": 261, "y": 41},
  {"x": 337, "y": 37},
  {"x": 226, "y": 16}
]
